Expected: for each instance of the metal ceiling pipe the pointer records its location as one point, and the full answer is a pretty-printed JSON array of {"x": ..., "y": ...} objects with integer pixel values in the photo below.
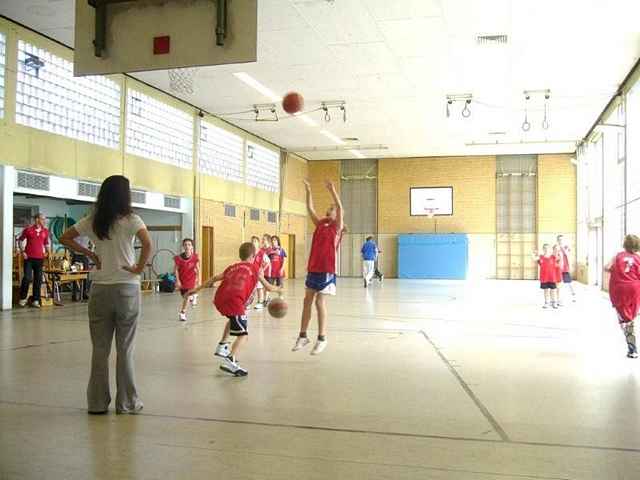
[{"x": 221, "y": 22}]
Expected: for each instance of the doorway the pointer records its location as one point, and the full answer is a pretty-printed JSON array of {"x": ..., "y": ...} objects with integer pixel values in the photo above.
[
  {"x": 288, "y": 243},
  {"x": 206, "y": 262}
]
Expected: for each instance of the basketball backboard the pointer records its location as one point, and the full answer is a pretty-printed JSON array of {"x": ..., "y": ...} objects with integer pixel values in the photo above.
[
  {"x": 431, "y": 201},
  {"x": 143, "y": 35}
]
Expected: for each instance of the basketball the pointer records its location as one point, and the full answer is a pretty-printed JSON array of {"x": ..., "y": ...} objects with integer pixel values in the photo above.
[
  {"x": 292, "y": 103},
  {"x": 278, "y": 308}
]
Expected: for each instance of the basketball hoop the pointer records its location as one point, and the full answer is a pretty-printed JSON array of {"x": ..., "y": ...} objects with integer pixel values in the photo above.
[
  {"x": 181, "y": 80},
  {"x": 430, "y": 212}
]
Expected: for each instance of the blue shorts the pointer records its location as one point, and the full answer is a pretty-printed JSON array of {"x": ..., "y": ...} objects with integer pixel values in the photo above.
[
  {"x": 238, "y": 325},
  {"x": 324, "y": 283}
]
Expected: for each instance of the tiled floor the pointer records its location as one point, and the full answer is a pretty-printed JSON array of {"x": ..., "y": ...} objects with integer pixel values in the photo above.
[{"x": 420, "y": 380}]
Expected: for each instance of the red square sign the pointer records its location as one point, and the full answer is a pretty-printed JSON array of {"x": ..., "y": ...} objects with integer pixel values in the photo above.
[{"x": 161, "y": 45}]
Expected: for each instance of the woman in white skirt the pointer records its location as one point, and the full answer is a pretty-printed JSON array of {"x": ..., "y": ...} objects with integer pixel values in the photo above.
[{"x": 114, "y": 303}]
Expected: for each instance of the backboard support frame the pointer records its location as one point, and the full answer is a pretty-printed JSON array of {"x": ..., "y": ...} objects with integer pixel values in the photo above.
[
  {"x": 119, "y": 36},
  {"x": 100, "y": 36}
]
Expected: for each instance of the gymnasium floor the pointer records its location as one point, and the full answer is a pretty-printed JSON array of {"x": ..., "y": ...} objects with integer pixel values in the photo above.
[{"x": 420, "y": 380}]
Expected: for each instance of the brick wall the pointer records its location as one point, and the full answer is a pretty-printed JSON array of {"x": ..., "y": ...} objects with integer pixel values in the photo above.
[
  {"x": 474, "y": 193},
  {"x": 557, "y": 202},
  {"x": 319, "y": 172},
  {"x": 556, "y": 194}
]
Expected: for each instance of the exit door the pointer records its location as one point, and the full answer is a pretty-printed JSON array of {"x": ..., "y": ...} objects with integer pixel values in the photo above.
[
  {"x": 288, "y": 243},
  {"x": 206, "y": 262}
]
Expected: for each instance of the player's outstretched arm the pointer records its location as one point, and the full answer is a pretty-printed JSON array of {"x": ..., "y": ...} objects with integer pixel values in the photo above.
[
  {"x": 209, "y": 283},
  {"x": 310, "y": 207},
  {"x": 338, "y": 203},
  {"x": 268, "y": 286}
]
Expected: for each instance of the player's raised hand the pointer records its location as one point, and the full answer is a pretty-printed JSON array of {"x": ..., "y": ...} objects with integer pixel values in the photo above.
[
  {"x": 307, "y": 185},
  {"x": 330, "y": 186}
]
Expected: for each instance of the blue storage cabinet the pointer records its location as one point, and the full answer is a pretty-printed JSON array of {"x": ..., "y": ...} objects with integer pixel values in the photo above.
[{"x": 433, "y": 256}]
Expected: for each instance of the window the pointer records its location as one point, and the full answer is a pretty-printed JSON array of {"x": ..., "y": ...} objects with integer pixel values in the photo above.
[
  {"x": 138, "y": 196},
  {"x": 3, "y": 56},
  {"x": 263, "y": 168},
  {"x": 254, "y": 214},
  {"x": 158, "y": 131},
  {"x": 33, "y": 181},
  {"x": 171, "y": 202},
  {"x": 272, "y": 217},
  {"x": 23, "y": 215},
  {"x": 230, "y": 210},
  {"x": 633, "y": 139},
  {"x": 220, "y": 153},
  {"x": 88, "y": 189},
  {"x": 50, "y": 98}
]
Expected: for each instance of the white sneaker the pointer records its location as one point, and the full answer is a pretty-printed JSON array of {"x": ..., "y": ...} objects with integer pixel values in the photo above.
[
  {"x": 301, "y": 342},
  {"x": 194, "y": 300},
  {"x": 135, "y": 411},
  {"x": 183, "y": 317},
  {"x": 35, "y": 304},
  {"x": 23, "y": 303},
  {"x": 319, "y": 347},
  {"x": 230, "y": 365},
  {"x": 222, "y": 350},
  {"x": 546, "y": 305},
  {"x": 259, "y": 306}
]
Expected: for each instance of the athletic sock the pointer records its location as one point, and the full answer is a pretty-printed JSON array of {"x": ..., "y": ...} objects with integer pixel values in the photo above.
[
  {"x": 322, "y": 338},
  {"x": 630, "y": 337}
]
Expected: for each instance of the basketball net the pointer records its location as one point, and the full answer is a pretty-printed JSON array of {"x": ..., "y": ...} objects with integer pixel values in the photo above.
[
  {"x": 430, "y": 212},
  {"x": 181, "y": 80}
]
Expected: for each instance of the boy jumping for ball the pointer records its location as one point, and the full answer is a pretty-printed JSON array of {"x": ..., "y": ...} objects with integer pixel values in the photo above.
[
  {"x": 186, "y": 272},
  {"x": 321, "y": 270},
  {"x": 238, "y": 283}
]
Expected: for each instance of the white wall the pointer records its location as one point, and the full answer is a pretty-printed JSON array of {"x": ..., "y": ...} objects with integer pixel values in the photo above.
[{"x": 7, "y": 180}]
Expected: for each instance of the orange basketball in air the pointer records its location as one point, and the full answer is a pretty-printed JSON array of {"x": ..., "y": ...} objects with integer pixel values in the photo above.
[
  {"x": 292, "y": 103},
  {"x": 278, "y": 308}
]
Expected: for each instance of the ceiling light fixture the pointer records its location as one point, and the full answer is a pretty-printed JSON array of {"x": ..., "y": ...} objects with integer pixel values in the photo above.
[
  {"x": 332, "y": 137},
  {"x": 357, "y": 154},
  {"x": 338, "y": 148},
  {"x": 256, "y": 85}
]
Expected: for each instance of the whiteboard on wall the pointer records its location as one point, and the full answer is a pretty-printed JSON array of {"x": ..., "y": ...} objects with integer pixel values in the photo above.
[{"x": 424, "y": 200}]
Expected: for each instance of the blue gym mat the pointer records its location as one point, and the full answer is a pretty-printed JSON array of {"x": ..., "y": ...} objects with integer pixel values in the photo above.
[{"x": 433, "y": 256}]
